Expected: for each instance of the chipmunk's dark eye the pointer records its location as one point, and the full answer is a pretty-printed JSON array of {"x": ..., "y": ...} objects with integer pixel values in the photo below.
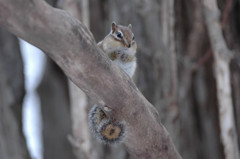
[
  {"x": 133, "y": 38},
  {"x": 119, "y": 34}
]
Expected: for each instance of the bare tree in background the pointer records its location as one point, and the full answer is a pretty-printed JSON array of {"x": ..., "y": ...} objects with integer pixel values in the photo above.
[{"x": 178, "y": 72}]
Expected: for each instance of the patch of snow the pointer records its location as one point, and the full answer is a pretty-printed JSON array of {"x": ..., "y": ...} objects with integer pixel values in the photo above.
[{"x": 34, "y": 63}]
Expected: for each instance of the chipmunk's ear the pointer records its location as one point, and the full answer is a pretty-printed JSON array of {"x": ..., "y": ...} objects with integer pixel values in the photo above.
[
  {"x": 114, "y": 26},
  {"x": 130, "y": 26}
]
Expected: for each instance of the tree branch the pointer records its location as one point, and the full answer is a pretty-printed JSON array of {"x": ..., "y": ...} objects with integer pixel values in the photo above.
[{"x": 70, "y": 44}]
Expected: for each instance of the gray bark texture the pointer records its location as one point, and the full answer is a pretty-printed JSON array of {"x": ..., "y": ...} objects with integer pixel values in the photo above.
[{"x": 12, "y": 142}]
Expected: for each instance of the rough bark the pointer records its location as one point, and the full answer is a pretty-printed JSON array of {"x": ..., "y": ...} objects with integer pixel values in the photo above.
[
  {"x": 12, "y": 142},
  {"x": 75, "y": 51}
]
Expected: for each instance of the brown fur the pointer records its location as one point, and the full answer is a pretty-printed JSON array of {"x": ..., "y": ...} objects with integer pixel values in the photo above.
[{"x": 111, "y": 132}]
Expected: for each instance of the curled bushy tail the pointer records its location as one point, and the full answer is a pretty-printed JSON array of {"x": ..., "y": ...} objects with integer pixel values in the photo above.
[{"x": 103, "y": 128}]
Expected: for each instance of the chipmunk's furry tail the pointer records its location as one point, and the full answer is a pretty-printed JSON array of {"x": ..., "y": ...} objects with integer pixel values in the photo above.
[{"x": 104, "y": 129}]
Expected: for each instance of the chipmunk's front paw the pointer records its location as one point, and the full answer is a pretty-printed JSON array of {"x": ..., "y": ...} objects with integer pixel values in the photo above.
[
  {"x": 124, "y": 57},
  {"x": 119, "y": 53}
]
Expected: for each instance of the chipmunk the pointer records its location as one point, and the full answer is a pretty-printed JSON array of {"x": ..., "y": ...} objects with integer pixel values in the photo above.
[{"x": 120, "y": 46}]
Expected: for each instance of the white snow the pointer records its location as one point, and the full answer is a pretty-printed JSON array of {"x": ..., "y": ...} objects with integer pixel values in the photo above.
[{"x": 34, "y": 62}]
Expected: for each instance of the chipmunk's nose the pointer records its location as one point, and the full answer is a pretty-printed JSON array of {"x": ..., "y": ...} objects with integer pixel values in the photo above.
[{"x": 129, "y": 45}]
